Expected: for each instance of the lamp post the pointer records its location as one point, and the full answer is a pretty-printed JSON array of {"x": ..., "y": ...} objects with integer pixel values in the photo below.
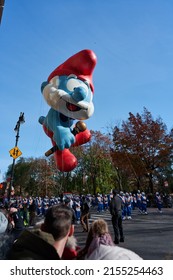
[{"x": 16, "y": 129}]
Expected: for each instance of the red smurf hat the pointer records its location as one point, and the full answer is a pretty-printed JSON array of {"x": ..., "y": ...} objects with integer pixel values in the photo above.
[{"x": 80, "y": 64}]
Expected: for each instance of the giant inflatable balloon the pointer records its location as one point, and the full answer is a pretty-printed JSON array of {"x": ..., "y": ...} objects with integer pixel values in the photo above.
[{"x": 69, "y": 93}]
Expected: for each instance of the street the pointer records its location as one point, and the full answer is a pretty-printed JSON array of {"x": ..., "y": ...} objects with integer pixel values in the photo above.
[{"x": 150, "y": 236}]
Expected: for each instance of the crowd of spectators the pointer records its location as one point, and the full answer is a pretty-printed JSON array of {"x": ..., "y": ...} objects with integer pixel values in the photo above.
[{"x": 21, "y": 213}]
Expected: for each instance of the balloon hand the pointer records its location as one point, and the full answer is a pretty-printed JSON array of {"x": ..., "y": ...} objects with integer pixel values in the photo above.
[{"x": 79, "y": 127}]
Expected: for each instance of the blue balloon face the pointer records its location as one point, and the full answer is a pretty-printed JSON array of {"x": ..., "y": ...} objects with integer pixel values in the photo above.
[{"x": 70, "y": 96}]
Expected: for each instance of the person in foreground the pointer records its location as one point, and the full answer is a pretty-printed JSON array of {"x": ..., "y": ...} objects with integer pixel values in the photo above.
[
  {"x": 100, "y": 246},
  {"x": 48, "y": 242}
]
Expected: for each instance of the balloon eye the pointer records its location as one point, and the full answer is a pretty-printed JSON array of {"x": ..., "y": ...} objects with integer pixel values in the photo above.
[{"x": 74, "y": 83}]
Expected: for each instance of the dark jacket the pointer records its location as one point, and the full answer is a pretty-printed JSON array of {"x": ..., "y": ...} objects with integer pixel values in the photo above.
[
  {"x": 115, "y": 205},
  {"x": 85, "y": 207},
  {"x": 18, "y": 225},
  {"x": 36, "y": 245}
]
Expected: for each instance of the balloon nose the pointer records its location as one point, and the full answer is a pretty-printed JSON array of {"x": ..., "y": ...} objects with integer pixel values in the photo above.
[{"x": 79, "y": 94}]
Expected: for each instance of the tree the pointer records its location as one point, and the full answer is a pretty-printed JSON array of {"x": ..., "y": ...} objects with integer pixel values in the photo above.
[
  {"x": 95, "y": 168},
  {"x": 34, "y": 176},
  {"x": 142, "y": 148}
]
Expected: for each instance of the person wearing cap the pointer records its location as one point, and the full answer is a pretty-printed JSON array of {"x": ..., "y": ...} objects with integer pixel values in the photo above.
[
  {"x": 128, "y": 206},
  {"x": 144, "y": 201},
  {"x": 71, "y": 249}
]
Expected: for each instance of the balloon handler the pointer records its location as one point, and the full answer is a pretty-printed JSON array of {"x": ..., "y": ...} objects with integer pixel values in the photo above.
[{"x": 69, "y": 92}]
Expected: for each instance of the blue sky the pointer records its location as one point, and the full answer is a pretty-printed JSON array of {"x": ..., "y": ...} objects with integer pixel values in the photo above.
[{"x": 133, "y": 41}]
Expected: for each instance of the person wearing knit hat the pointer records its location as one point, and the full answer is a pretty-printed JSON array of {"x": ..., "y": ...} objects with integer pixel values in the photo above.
[{"x": 69, "y": 92}]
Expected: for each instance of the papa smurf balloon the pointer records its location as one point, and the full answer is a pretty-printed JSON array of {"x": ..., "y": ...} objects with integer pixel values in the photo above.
[{"x": 69, "y": 92}]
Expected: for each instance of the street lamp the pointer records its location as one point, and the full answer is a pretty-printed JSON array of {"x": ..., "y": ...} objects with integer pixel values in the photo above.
[{"x": 16, "y": 129}]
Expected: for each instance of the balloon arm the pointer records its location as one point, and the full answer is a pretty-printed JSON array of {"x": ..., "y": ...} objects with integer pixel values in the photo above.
[{"x": 79, "y": 127}]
